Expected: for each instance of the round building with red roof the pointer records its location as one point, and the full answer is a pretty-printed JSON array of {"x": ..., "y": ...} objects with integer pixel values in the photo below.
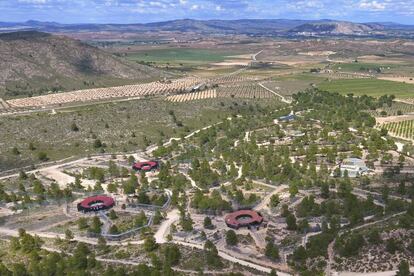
[
  {"x": 145, "y": 166},
  {"x": 96, "y": 203},
  {"x": 243, "y": 218}
]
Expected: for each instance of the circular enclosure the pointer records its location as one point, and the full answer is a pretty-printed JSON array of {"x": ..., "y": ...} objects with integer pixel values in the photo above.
[
  {"x": 243, "y": 218},
  {"x": 96, "y": 203},
  {"x": 145, "y": 166}
]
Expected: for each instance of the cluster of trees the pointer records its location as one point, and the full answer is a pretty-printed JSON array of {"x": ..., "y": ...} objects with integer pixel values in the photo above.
[
  {"x": 31, "y": 190},
  {"x": 115, "y": 171},
  {"x": 274, "y": 201},
  {"x": 156, "y": 199},
  {"x": 344, "y": 203},
  {"x": 52, "y": 263},
  {"x": 272, "y": 251},
  {"x": 130, "y": 185},
  {"x": 290, "y": 218},
  {"x": 211, "y": 255},
  {"x": 186, "y": 222},
  {"x": 205, "y": 203},
  {"x": 95, "y": 173},
  {"x": 140, "y": 219},
  {"x": 231, "y": 238},
  {"x": 237, "y": 195},
  {"x": 93, "y": 226},
  {"x": 332, "y": 111},
  {"x": 208, "y": 224},
  {"x": 202, "y": 174},
  {"x": 407, "y": 220},
  {"x": 317, "y": 246},
  {"x": 35, "y": 261},
  {"x": 337, "y": 110},
  {"x": 308, "y": 207},
  {"x": 349, "y": 245}
]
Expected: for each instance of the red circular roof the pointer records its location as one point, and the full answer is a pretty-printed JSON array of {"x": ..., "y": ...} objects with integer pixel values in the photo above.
[
  {"x": 95, "y": 201},
  {"x": 145, "y": 165},
  {"x": 249, "y": 217}
]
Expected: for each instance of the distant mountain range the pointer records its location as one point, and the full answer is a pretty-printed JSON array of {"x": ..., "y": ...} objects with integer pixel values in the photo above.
[
  {"x": 34, "y": 62},
  {"x": 258, "y": 27}
]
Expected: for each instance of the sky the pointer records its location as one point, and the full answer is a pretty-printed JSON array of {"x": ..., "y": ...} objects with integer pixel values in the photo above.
[{"x": 143, "y": 11}]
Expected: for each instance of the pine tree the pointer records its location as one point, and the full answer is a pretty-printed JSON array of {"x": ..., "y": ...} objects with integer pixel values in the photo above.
[{"x": 231, "y": 238}]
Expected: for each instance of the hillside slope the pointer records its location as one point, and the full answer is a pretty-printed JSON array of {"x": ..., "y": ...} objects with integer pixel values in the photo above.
[
  {"x": 333, "y": 28},
  {"x": 34, "y": 63}
]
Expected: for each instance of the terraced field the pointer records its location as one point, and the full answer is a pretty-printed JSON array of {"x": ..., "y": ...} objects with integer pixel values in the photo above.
[
  {"x": 246, "y": 90},
  {"x": 234, "y": 78},
  {"x": 403, "y": 129},
  {"x": 98, "y": 94},
  {"x": 207, "y": 94}
]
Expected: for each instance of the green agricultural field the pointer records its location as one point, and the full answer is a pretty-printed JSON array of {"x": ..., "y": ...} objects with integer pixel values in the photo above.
[
  {"x": 181, "y": 56},
  {"x": 370, "y": 87}
]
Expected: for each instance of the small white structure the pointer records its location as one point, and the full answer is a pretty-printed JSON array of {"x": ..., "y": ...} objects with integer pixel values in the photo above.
[
  {"x": 294, "y": 133},
  {"x": 332, "y": 134},
  {"x": 354, "y": 166}
]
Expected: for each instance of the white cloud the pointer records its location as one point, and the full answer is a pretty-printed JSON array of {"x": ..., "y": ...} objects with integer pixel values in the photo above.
[
  {"x": 158, "y": 4},
  {"x": 372, "y": 5},
  {"x": 33, "y": 1},
  {"x": 195, "y": 7}
]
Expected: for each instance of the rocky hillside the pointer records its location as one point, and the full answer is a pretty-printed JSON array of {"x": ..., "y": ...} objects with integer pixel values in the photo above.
[
  {"x": 334, "y": 28},
  {"x": 35, "y": 63}
]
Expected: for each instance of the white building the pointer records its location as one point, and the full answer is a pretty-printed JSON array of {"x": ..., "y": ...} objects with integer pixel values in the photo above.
[{"x": 354, "y": 166}]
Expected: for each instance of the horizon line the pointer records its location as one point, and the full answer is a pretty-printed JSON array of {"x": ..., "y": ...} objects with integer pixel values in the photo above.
[{"x": 195, "y": 19}]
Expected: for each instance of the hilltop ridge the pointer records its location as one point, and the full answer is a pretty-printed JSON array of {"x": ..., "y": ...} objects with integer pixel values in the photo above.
[
  {"x": 259, "y": 27},
  {"x": 36, "y": 62}
]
